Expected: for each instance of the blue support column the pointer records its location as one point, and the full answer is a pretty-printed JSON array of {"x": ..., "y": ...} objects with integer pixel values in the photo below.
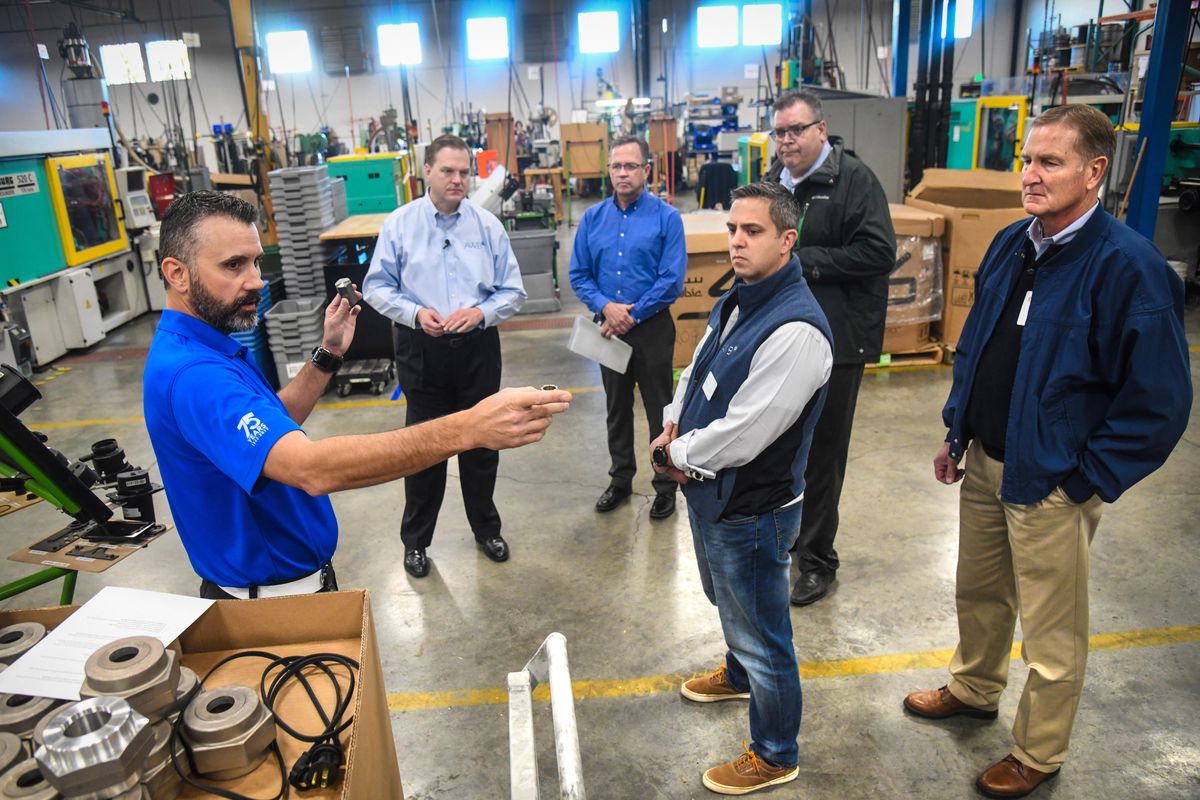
[
  {"x": 901, "y": 14},
  {"x": 1171, "y": 27}
]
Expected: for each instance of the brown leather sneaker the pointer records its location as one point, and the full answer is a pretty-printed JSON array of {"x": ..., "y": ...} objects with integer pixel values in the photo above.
[
  {"x": 940, "y": 704},
  {"x": 711, "y": 687},
  {"x": 1009, "y": 777},
  {"x": 747, "y": 773}
]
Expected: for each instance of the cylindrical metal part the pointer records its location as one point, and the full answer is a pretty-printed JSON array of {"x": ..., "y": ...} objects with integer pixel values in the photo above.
[
  {"x": 185, "y": 690},
  {"x": 20, "y": 713},
  {"x": 346, "y": 289},
  {"x": 39, "y": 729},
  {"x": 11, "y": 751},
  {"x": 159, "y": 777},
  {"x": 95, "y": 749},
  {"x": 26, "y": 781},
  {"x": 16, "y": 640},
  {"x": 230, "y": 731},
  {"x": 138, "y": 669}
]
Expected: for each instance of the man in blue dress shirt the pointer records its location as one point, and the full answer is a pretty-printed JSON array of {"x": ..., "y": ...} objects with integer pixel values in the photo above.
[
  {"x": 627, "y": 266},
  {"x": 247, "y": 488},
  {"x": 443, "y": 271}
]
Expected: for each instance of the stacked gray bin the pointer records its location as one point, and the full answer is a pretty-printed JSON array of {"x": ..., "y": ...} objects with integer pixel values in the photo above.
[
  {"x": 294, "y": 328},
  {"x": 534, "y": 249},
  {"x": 306, "y": 203}
]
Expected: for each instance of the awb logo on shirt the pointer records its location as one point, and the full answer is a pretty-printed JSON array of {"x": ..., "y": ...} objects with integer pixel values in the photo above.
[
  {"x": 473, "y": 245},
  {"x": 252, "y": 426}
]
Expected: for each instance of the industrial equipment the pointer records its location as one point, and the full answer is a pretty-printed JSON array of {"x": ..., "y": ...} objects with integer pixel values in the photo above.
[
  {"x": 375, "y": 182},
  {"x": 999, "y": 132},
  {"x": 755, "y": 157},
  {"x": 131, "y": 188}
]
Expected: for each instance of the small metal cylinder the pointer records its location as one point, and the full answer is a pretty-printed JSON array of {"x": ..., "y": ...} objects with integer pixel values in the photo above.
[
  {"x": 20, "y": 713},
  {"x": 95, "y": 749},
  {"x": 11, "y": 751},
  {"x": 230, "y": 731},
  {"x": 26, "y": 781},
  {"x": 346, "y": 289},
  {"x": 16, "y": 640},
  {"x": 137, "y": 668}
]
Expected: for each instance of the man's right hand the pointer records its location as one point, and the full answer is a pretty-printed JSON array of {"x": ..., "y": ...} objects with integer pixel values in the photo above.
[
  {"x": 431, "y": 322},
  {"x": 515, "y": 417},
  {"x": 945, "y": 468},
  {"x": 617, "y": 319}
]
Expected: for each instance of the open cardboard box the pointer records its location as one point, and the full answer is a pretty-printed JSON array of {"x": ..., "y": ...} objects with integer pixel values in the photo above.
[{"x": 336, "y": 622}]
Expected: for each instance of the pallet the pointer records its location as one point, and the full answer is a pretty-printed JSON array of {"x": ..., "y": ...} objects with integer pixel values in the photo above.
[{"x": 926, "y": 355}]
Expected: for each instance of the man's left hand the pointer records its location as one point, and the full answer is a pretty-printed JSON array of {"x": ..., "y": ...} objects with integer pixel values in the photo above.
[
  {"x": 340, "y": 320},
  {"x": 463, "y": 320}
]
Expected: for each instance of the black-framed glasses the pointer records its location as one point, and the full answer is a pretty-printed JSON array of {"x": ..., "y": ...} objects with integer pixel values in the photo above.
[
  {"x": 795, "y": 132},
  {"x": 622, "y": 166}
]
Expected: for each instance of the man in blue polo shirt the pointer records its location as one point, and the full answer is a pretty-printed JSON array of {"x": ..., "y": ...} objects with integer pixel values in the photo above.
[
  {"x": 627, "y": 266},
  {"x": 247, "y": 488}
]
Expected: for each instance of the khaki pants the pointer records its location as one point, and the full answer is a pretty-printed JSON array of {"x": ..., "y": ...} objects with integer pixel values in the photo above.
[{"x": 1032, "y": 561}]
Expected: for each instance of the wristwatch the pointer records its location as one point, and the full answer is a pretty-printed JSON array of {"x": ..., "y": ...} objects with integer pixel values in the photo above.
[
  {"x": 659, "y": 456},
  {"x": 326, "y": 361}
]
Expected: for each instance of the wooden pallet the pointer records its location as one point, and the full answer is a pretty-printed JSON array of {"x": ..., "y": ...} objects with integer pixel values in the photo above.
[{"x": 926, "y": 355}]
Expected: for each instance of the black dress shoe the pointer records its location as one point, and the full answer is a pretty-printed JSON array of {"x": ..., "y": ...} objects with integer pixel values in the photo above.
[
  {"x": 811, "y": 586},
  {"x": 613, "y": 496},
  {"x": 415, "y": 562},
  {"x": 663, "y": 506},
  {"x": 494, "y": 548}
]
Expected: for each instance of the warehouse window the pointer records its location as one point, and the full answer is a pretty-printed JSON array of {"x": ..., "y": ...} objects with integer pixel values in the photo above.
[
  {"x": 122, "y": 63},
  {"x": 716, "y": 26},
  {"x": 287, "y": 51},
  {"x": 599, "y": 32},
  {"x": 762, "y": 24},
  {"x": 964, "y": 15},
  {"x": 399, "y": 44},
  {"x": 487, "y": 38},
  {"x": 168, "y": 60}
]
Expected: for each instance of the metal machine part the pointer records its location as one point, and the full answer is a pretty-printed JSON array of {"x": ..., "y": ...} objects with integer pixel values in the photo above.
[
  {"x": 16, "y": 640},
  {"x": 230, "y": 731},
  {"x": 19, "y": 713},
  {"x": 138, "y": 669},
  {"x": 39, "y": 729},
  {"x": 26, "y": 781},
  {"x": 11, "y": 751},
  {"x": 346, "y": 289},
  {"x": 95, "y": 749},
  {"x": 185, "y": 690},
  {"x": 159, "y": 777}
]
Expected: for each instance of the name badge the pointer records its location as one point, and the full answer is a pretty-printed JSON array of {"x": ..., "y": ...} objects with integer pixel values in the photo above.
[
  {"x": 1025, "y": 309},
  {"x": 709, "y": 386}
]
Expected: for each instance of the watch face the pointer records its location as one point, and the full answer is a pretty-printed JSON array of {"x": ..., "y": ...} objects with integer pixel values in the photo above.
[{"x": 660, "y": 456}]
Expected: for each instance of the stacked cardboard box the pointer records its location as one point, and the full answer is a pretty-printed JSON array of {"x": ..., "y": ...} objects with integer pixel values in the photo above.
[
  {"x": 709, "y": 275},
  {"x": 915, "y": 287}
]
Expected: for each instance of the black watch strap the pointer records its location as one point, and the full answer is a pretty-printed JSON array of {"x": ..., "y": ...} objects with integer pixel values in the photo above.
[{"x": 326, "y": 361}]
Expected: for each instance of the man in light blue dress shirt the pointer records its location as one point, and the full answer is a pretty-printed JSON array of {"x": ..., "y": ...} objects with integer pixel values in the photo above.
[{"x": 444, "y": 273}]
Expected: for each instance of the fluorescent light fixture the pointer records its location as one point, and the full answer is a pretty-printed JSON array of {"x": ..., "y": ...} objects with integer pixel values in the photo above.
[
  {"x": 168, "y": 60},
  {"x": 487, "y": 38},
  {"x": 598, "y": 32},
  {"x": 122, "y": 63},
  {"x": 717, "y": 26},
  {"x": 287, "y": 51},
  {"x": 399, "y": 44},
  {"x": 964, "y": 15},
  {"x": 762, "y": 24},
  {"x": 611, "y": 103}
]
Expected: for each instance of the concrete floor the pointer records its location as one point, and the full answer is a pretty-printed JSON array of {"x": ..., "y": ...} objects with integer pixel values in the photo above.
[{"x": 624, "y": 591}]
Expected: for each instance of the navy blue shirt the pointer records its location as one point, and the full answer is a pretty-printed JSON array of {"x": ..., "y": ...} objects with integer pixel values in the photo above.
[
  {"x": 632, "y": 255},
  {"x": 213, "y": 418}
]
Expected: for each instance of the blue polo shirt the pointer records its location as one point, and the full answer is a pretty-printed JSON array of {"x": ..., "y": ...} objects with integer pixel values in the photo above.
[{"x": 213, "y": 418}]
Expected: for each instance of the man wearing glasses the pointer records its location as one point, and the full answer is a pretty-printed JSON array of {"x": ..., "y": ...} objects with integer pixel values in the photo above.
[
  {"x": 847, "y": 249},
  {"x": 627, "y": 266}
]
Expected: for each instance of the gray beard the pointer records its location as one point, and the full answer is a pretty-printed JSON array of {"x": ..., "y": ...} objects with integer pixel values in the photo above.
[{"x": 227, "y": 319}]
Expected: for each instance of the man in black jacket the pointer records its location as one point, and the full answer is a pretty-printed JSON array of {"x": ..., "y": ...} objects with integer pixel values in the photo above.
[{"x": 847, "y": 249}]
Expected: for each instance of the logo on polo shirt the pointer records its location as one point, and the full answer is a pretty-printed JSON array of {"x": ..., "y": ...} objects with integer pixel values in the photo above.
[
  {"x": 473, "y": 245},
  {"x": 253, "y": 427}
]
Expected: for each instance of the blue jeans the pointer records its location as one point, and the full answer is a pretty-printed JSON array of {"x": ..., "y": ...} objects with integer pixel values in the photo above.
[{"x": 743, "y": 565}]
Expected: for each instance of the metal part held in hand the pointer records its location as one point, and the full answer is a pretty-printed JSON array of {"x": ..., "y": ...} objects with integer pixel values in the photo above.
[
  {"x": 346, "y": 289},
  {"x": 19, "y": 713},
  {"x": 11, "y": 751},
  {"x": 230, "y": 731},
  {"x": 95, "y": 749},
  {"x": 136, "y": 668},
  {"x": 25, "y": 780},
  {"x": 548, "y": 663},
  {"x": 16, "y": 640}
]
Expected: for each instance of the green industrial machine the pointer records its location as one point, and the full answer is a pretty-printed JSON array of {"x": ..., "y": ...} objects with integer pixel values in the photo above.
[
  {"x": 1183, "y": 153},
  {"x": 961, "y": 151},
  {"x": 29, "y": 237},
  {"x": 374, "y": 181},
  {"x": 753, "y": 150}
]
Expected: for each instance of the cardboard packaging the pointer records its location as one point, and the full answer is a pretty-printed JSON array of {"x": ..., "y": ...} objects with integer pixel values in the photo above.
[
  {"x": 905, "y": 338},
  {"x": 709, "y": 275},
  {"x": 336, "y": 622},
  {"x": 976, "y": 205}
]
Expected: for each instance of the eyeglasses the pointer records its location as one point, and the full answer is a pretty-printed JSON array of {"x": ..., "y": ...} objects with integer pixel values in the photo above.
[
  {"x": 625, "y": 167},
  {"x": 795, "y": 132}
]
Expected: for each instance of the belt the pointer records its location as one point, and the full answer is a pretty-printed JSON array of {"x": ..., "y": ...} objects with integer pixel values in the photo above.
[{"x": 309, "y": 584}]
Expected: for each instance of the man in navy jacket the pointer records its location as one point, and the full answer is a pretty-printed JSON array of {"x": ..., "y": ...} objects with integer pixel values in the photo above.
[{"x": 1071, "y": 384}]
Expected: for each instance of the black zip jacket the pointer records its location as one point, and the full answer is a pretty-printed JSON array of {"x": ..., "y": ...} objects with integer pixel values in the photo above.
[{"x": 847, "y": 249}]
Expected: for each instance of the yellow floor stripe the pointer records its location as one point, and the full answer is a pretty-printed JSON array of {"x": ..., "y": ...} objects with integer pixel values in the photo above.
[{"x": 871, "y": 665}]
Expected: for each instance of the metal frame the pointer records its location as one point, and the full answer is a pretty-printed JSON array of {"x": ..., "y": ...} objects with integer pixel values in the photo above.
[
  {"x": 549, "y": 663},
  {"x": 1001, "y": 102}
]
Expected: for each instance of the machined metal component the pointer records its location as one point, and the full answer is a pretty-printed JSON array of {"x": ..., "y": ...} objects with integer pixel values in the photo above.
[
  {"x": 16, "y": 640},
  {"x": 230, "y": 731},
  {"x": 20, "y": 713},
  {"x": 38, "y": 730},
  {"x": 95, "y": 749},
  {"x": 159, "y": 777},
  {"x": 11, "y": 751},
  {"x": 185, "y": 690},
  {"x": 26, "y": 781},
  {"x": 138, "y": 669}
]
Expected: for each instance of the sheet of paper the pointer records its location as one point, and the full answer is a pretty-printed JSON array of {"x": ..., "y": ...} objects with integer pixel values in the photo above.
[
  {"x": 587, "y": 342},
  {"x": 54, "y": 667}
]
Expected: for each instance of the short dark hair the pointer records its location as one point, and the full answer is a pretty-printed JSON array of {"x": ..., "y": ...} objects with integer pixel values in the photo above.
[
  {"x": 621, "y": 141},
  {"x": 447, "y": 141},
  {"x": 785, "y": 212},
  {"x": 1094, "y": 134},
  {"x": 177, "y": 235},
  {"x": 810, "y": 99}
]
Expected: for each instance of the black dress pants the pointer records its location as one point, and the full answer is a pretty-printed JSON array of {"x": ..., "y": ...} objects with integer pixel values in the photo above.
[
  {"x": 441, "y": 375},
  {"x": 653, "y": 343},
  {"x": 826, "y": 471}
]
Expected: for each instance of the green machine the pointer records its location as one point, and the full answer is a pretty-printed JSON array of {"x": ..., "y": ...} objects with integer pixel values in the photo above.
[
  {"x": 961, "y": 151},
  {"x": 1183, "y": 153},
  {"x": 28, "y": 229},
  {"x": 754, "y": 151},
  {"x": 375, "y": 182}
]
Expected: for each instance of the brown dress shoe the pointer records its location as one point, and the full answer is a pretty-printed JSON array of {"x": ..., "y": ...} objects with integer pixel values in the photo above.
[
  {"x": 1009, "y": 777},
  {"x": 940, "y": 704}
]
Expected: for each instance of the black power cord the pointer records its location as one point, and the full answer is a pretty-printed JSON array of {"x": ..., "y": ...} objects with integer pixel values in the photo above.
[{"x": 318, "y": 766}]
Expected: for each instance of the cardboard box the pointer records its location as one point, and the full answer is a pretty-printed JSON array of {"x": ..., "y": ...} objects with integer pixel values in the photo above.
[
  {"x": 709, "y": 275},
  {"x": 905, "y": 338},
  {"x": 976, "y": 205},
  {"x": 915, "y": 286},
  {"x": 705, "y": 232},
  {"x": 338, "y": 622},
  {"x": 688, "y": 333}
]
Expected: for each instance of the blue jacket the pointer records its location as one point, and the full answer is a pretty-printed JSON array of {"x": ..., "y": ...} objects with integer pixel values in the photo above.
[
  {"x": 775, "y": 476},
  {"x": 1103, "y": 386}
]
